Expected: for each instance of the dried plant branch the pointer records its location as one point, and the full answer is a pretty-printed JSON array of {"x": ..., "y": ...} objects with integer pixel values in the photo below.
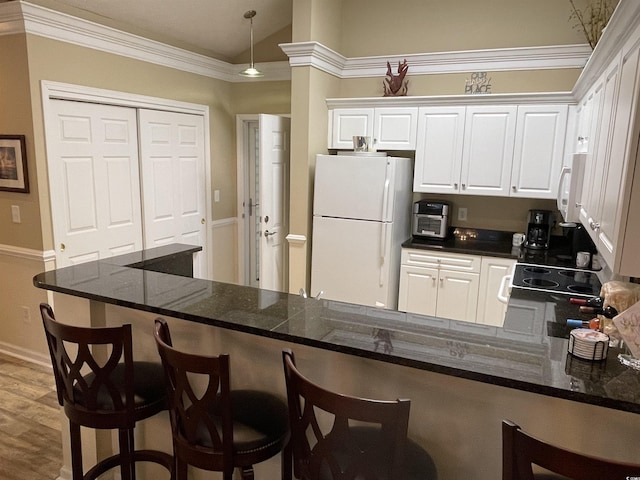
[{"x": 592, "y": 20}]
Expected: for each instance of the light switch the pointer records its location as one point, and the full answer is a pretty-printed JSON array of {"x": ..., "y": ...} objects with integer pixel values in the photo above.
[
  {"x": 15, "y": 214},
  {"x": 216, "y": 195}
]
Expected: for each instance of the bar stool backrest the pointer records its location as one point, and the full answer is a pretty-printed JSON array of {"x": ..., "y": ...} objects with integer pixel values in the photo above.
[
  {"x": 520, "y": 451},
  {"x": 344, "y": 450},
  {"x": 202, "y": 435},
  {"x": 94, "y": 388}
]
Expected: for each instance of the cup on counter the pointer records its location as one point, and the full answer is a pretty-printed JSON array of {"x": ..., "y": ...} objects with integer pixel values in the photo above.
[
  {"x": 360, "y": 143},
  {"x": 583, "y": 259},
  {"x": 517, "y": 239}
]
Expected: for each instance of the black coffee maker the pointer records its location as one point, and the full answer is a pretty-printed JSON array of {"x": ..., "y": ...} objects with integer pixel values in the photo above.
[{"x": 539, "y": 229}]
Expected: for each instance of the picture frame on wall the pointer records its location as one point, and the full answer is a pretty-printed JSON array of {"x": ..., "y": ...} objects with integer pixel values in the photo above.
[{"x": 13, "y": 164}]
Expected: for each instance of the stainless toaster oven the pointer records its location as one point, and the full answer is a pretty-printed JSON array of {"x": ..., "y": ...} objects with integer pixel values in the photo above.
[{"x": 430, "y": 219}]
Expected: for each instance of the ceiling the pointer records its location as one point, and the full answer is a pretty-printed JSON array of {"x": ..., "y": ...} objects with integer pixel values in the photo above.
[{"x": 213, "y": 27}]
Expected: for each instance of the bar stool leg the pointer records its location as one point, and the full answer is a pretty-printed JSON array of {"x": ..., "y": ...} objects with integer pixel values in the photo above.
[
  {"x": 76, "y": 451},
  {"x": 127, "y": 467}
]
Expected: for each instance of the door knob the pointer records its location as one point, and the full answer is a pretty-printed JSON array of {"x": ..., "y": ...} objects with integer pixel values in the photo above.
[
  {"x": 62, "y": 247},
  {"x": 267, "y": 233},
  {"x": 202, "y": 221}
]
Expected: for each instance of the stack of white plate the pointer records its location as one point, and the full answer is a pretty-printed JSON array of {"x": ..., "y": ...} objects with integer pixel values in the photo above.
[{"x": 588, "y": 344}]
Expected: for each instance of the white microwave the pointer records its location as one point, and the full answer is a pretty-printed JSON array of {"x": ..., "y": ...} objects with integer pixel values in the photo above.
[{"x": 570, "y": 188}]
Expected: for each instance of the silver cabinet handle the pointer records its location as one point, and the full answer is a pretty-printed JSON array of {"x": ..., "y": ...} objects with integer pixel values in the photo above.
[
  {"x": 514, "y": 188},
  {"x": 267, "y": 233},
  {"x": 455, "y": 185},
  {"x": 464, "y": 186}
]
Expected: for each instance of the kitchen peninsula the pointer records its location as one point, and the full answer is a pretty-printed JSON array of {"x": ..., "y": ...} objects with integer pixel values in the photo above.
[{"x": 462, "y": 380}]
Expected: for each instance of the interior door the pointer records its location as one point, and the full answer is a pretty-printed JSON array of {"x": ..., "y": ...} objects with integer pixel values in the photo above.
[
  {"x": 94, "y": 181},
  {"x": 274, "y": 178},
  {"x": 172, "y": 156}
]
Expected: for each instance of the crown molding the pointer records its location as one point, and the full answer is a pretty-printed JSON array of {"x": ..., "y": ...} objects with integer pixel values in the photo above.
[
  {"x": 22, "y": 17},
  {"x": 522, "y": 58},
  {"x": 448, "y": 100}
]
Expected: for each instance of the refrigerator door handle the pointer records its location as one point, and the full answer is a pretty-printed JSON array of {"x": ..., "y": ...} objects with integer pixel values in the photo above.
[
  {"x": 383, "y": 252},
  {"x": 385, "y": 200}
]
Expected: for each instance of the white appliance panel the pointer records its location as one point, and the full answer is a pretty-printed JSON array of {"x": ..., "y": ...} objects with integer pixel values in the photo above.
[
  {"x": 358, "y": 187},
  {"x": 570, "y": 188},
  {"x": 351, "y": 261}
]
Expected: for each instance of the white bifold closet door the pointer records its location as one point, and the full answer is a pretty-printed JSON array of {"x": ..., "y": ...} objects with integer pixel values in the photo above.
[
  {"x": 173, "y": 181},
  {"x": 122, "y": 179},
  {"x": 94, "y": 181}
]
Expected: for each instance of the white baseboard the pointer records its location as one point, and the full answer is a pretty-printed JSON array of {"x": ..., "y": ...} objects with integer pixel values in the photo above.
[{"x": 26, "y": 355}]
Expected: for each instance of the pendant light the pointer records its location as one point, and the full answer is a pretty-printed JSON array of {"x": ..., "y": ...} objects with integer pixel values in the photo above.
[{"x": 251, "y": 71}]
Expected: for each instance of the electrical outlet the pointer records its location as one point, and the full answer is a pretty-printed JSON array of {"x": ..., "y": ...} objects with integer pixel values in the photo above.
[
  {"x": 26, "y": 314},
  {"x": 462, "y": 214}
]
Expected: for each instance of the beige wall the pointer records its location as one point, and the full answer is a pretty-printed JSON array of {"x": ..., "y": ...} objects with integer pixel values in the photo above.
[
  {"x": 380, "y": 27},
  {"x": 16, "y": 119}
]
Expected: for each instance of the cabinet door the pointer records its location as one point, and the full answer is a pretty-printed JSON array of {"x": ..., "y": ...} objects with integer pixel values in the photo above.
[
  {"x": 602, "y": 149},
  {"x": 395, "y": 128},
  {"x": 491, "y": 310},
  {"x": 439, "y": 149},
  {"x": 594, "y": 98},
  {"x": 622, "y": 144},
  {"x": 418, "y": 290},
  {"x": 583, "y": 114},
  {"x": 348, "y": 122},
  {"x": 488, "y": 150},
  {"x": 457, "y": 295},
  {"x": 538, "y": 151}
]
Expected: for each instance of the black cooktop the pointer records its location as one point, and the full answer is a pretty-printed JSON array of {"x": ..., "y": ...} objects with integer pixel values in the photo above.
[{"x": 562, "y": 280}]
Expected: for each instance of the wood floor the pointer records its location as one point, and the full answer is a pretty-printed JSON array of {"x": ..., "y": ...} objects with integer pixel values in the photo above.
[{"x": 30, "y": 442}]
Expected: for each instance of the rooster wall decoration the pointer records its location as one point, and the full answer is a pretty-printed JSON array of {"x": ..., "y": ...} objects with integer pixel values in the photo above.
[{"x": 396, "y": 85}]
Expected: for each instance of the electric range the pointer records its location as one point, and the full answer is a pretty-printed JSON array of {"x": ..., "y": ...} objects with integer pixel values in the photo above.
[{"x": 560, "y": 280}]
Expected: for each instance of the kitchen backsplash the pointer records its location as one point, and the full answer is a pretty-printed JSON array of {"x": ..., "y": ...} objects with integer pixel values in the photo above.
[{"x": 493, "y": 213}]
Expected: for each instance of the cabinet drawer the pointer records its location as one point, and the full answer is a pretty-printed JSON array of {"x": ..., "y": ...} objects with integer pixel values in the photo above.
[{"x": 428, "y": 258}]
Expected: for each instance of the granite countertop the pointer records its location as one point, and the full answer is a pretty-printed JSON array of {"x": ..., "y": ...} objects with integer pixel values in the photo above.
[
  {"x": 496, "y": 243},
  {"x": 536, "y": 362}
]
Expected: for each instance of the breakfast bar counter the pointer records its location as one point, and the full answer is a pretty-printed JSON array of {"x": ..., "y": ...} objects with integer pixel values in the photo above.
[{"x": 462, "y": 378}]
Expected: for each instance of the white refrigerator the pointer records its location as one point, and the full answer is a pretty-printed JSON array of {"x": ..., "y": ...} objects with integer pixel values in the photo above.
[{"x": 361, "y": 216}]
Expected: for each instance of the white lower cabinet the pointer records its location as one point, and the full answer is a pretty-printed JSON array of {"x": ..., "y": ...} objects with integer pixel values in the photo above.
[
  {"x": 452, "y": 286},
  {"x": 491, "y": 311},
  {"x": 438, "y": 284}
]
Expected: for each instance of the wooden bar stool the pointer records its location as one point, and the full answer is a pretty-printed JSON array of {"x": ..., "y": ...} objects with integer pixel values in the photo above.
[
  {"x": 367, "y": 439},
  {"x": 213, "y": 427},
  {"x": 521, "y": 451},
  {"x": 104, "y": 393}
]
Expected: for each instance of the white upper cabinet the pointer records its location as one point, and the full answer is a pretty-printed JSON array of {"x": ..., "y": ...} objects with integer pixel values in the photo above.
[
  {"x": 611, "y": 202},
  {"x": 498, "y": 150},
  {"x": 394, "y": 128},
  {"x": 389, "y": 128},
  {"x": 439, "y": 149},
  {"x": 539, "y": 149},
  {"x": 464, "y": 145},
  {"x": 488, "y": 150},
  {"x": 347, "y": 123}
]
